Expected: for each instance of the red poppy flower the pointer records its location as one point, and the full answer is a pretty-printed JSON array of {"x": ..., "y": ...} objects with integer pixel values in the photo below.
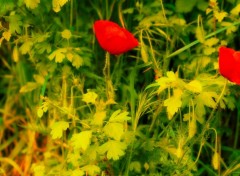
[
  {"x": 229, "y": 64},
  {"x": 113, "y": 38}
]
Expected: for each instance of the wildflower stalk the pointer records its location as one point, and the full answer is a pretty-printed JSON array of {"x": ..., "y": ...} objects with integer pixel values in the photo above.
[
  {"x": 207, "y": 126},
  {"x": 108, "y": 81},
  {"x": 215, "y": 158}
]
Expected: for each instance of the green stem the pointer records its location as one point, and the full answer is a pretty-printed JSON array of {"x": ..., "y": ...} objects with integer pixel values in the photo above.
[
  {"x": 236, "y": 138},
  {"x": 71, "y": 14},
  {"x": 120, "y": 13},
  {"x": 43, "y": 89},
  {"x": 219, "y": 99},
  {"x": 108, "y": 81},
  {"x": 107, "y": 15},
  {"x": 197, "y": 41},
  {"x": 207, "y": 124},
  {"x": 129, "y": 160}
]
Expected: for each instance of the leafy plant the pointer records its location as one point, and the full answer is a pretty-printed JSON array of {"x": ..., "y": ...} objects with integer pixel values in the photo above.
[{"x": 163, "y": 108}]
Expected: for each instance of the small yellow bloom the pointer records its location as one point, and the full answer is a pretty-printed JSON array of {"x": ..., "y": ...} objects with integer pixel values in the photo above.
[
  {"x": 66, "y": 34},
  {"x": 90, "y": 97}
]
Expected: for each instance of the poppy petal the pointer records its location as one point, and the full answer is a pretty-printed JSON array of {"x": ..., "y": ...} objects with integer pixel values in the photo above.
[
  {"x": 236, "y": 75},
  {"x": 113, "y": 38},
  {"x": 229, "y": 64}
]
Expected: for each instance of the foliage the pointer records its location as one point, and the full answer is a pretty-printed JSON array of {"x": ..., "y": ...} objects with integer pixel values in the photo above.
[{"x": 159, "y": 109}]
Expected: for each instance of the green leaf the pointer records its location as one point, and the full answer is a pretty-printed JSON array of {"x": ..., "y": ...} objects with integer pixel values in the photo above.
[
  {"x": 58, "y": 128},
  {"x": 129, "y": 11},
  {"x": 114, "y": 149},
  {"x": 98, "y": 118},
  {"x": 135, "y": 166},
  {"x": 119, "y": 117},
  {"x": 211, "y": 41},
  {"x": 41, "y": 37},
  {"x": 202, "y": 100},
  {"x": 39, "y": 169},
  {"x": 57, "y": 4},
  {"x": 166, "y": 79},
  {"x": 77, "y": 61},
  {"x": 26, "y": 47},
  {"x": 165, "y": 82},
  {"x": 185, "y": 6},
  {"x": 194, "y": 86},
  {"x": 73, "y": 157},
  {"x": 230, "y": 28},
  {"x": 114, "y": 130},
  {"x": 43, "y": 47},
  {"x": 148, "y": 145},
  {"x": 171, "y": 76},
  {"x": 91, "y": 170},
  {"x": 236, "y": 10},
  {"x": 201, "y": 120},
  {"x": 81, "y": 140},
  {"x": 39, "y": 79},
  {"x": 202, "y": 5},
  {"x": 32, "y": 4},
  {"x": 173, "y": 104},
  {"x": 6, "y": 35},
  {"x": 78, "y": 172},
  {"x": 69, "y": 56},
  {"x": 91, "y": 152},
  {"x": 15, "y": 22},
  {"x": 152, "y": 85},
  {"x": 58, "y": 54},
  {"x": 129, "y": 137},
  {"x": 207, "y": 99},
  {"x": 148, "y": 20},
  {"x": 220, "y": 15},
  {"x": 30, "y": 86},
  {"x": 231, "y": 102},
  {"x": 209, "y": 50},
  {"x": 200, "y": 109}
]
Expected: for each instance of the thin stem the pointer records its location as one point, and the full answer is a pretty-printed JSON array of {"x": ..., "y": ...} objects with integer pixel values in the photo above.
[
  {"x": 195, "y": 162},
  {"x": 105, "y": 66},
  {"x": 71, "y": 14},
  {"x": 237, "y": 129},
  {"x": 106, "y": 6},
  {"x": 43, "y": 89},
  {"x": 197, "y": 41},
  {"x": 12, "y": 163},
  {"x": 120, "y": 13},
  {"x": 108, "y": 81},
  {"x": 155, "y": 64},
  {"x": 219, "y": 99},
  {"x": 207, "y": 124},
  {"x": 215, "y": 138}
]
